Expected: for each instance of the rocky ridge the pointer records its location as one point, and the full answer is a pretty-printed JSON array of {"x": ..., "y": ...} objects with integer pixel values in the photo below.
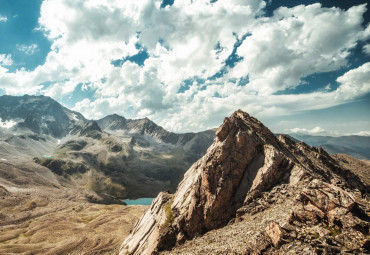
[
  {"x": 196, "y": 143},
  {"x": 301, "y": 199},
  {"x": 140, "y": 126}
]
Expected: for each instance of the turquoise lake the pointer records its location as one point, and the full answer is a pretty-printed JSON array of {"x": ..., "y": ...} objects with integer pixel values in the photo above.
[{"x": 139, "y": 201}]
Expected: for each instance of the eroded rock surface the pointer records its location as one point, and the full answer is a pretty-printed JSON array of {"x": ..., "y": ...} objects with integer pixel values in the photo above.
[{"x": 248, "y": 171}]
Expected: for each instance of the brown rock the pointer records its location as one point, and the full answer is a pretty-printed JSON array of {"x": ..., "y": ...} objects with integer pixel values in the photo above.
[
  {"x": 4, "y": 192},
  {"x": 244, "y": 163},
  {"x": 275, "y": 232},
  {"x": 146, "y": 233}
]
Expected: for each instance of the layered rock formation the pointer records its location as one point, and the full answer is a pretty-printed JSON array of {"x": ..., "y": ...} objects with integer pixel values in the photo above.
[{"x": 246, "y": 171}]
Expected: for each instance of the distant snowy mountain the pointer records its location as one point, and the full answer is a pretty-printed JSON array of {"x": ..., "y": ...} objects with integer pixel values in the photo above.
[
  {"x": 146, "y": 129},
  {"x": 112, "y": 155},
  {"x": 139, "y": 126},
  {"x": 39, "y": 114}
]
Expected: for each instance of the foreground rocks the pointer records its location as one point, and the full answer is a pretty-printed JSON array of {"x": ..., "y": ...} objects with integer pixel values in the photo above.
[{"x": 299, "y": 198}]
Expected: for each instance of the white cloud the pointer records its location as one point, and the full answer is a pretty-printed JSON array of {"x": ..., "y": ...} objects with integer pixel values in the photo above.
[
  {"x": 60, "y": 89},
  {"x": 297, "y": 42},
  {"x": 3, "y": 18},
  {"x": 354, "y": 83},
  {"x": 363, "y": 133},
  {"x": 313, "y": 131},
  {"x": 6, "y": 60},
  {"x": 322, "y": 132},
  {"x": 366, "y": 49},
  {"x": 27, "y": 49},
  {"x": 7, "y": 124},
  {"x": 193, "y": 39},
  {"x": 97, "y": 109}
]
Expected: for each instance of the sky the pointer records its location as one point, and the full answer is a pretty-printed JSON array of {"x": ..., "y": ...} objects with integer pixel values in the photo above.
[{"x": 298, "y": 66}]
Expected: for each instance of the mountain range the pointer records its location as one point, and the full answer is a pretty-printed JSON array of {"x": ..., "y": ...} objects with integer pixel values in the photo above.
[
  {"x": 114, "y": 155},
  {"x": 354, "y": 145}
]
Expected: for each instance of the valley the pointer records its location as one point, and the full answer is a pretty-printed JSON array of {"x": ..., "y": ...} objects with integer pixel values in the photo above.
[{"x": 41, "y": 213}]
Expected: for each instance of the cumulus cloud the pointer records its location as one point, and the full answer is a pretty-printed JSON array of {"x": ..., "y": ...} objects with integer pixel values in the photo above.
[
  {"x": 3, "y": 18},
  {"x": 6, "y": 59},
  {"x": 354, "y": 83},
  {"x": 7, "y": 124},
  {"x": 297, "y": 42},
  {"x": 313, "y": 131},
  {"x": 366, "y": 49},
  {"x": 187, "y": 82},
  {"x": 27, "y": 49},
  {"x": 97, "y": 109}
]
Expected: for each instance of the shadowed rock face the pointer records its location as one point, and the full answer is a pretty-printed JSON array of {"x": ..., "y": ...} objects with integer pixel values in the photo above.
[{"x": 244, "y": 160}]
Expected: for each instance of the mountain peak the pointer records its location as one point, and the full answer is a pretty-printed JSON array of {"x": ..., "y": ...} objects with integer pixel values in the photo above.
[
  {"x": 112, "y": 122},
  {"x": 143, "y": 126},
  {"x": 242, "y": 114},
  {"x": 91, "y": 125},
  {"x": 40, "y": 114},
  {"x": 244, "y": 161},
  {"x": 241, "y": 121},
  {"x": 115, "y": 115},
  {"x": 91, "y": 129}
]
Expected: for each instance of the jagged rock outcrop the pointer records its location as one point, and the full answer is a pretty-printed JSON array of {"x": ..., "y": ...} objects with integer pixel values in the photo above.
[{"x": 245, "y": 162}]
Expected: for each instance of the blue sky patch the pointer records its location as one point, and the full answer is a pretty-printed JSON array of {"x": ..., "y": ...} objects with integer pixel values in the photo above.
[
  {"x": 167, "y": 3},
  {"x": 185, "y": 85},
  {"x": 138, "y": 59},
  {"x": 28, "y": 46},
  {"x": 82, "y": 91}
]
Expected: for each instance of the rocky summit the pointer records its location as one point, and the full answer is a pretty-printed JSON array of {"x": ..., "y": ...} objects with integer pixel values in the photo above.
[{"x": 254, "y": 193}]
